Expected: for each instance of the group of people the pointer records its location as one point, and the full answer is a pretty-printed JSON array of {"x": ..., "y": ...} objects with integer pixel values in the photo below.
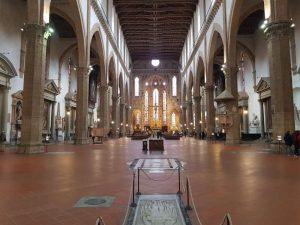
[{"x": 291, "y": 140}]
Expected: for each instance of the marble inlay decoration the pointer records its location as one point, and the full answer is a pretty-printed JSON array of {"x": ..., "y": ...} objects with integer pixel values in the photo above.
[
  {"x": 160, "y": 163},
  {"x": 104, "y": 201},
  {"x": 158, "y": 210}
]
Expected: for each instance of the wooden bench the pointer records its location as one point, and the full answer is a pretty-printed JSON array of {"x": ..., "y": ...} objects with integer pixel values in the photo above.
[{"x": 97, "y": 133}]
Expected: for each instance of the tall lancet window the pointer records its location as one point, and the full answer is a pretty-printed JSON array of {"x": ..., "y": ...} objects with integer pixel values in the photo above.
[
  {"x": 173, "y": 120},
  {"x": 138, "y": 119},
  {"x": 165, "y": 108},
  {"x": 155, "y": 105},
  {"x": 174, "y": 86},
  {"x": 146, "y": 108},
  {"x": 136, "y": 86}
]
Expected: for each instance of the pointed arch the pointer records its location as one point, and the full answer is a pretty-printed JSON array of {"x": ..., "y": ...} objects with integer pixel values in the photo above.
[
  {"x": 112, "y": 80},
  {"x": 200, "y": 73},
  {"x": 95, "y": 33},
  {"x": 121, "y": 87},
  {"x": 217, "y": 35},
  {"x": 190, "y": 85}
]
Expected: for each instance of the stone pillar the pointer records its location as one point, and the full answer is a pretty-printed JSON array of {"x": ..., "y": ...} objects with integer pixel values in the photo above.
[
  {"x": 104, "y": 116},
  {"x": 34, "y": 79},
  {"x": 127, "y": 125},
  {"x": 68, "y": 124},
  {"x": 245, "y": 120},
  {"x": 278, "y": 37},
  {"x": 183, "y": 115},
  {"x": 53, "y": 121},
  {"x": 262, "y": 118},
  {"x": 197, "y": 101},
  {"x": 115, "y": 116},
  {"x": 122, "y": 118},
  {"x": 210, "y": 120},
  {"x": 190, "y": 121},
  {"x": 230, "y": 98},
  {"x": 48, "y": 128},
  {"x": 4, "y": 111},
  {"x": 130, "y": 119},
  {"x": 81, "y": 136}
]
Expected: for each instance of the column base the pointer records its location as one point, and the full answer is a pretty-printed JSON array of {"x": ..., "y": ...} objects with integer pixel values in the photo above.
[
  {"x": 233, "y": 141},
  {"x": 82, "y": 141},
  {"x": 31, "y": 149}
]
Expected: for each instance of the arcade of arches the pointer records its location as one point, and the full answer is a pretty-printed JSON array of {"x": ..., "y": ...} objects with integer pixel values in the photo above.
[
  {"x": 230, "y": 70},
  {"x": 226, "y": 75}
]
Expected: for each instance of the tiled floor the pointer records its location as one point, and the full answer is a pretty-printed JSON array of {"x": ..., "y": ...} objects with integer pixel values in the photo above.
[{"x": 255, "y": 186}]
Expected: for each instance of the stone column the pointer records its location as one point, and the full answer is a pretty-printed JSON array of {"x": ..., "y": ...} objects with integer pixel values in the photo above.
[
  {"x": 245, "y": 120},
  {"x": 130, "y": 119},
  {"x": 210, "y": 120},
  {"x": 34, "y": 79},
  {"x": 230, "y": 98},
  {"x": 81, "y": 136},
  {"x": 262, "y": 118},
  {"x": 278, "y": 37},
  {"x": 190, "y": 121},
  {"x": 127, "y": 127},
  {"x": 104, "y": 120},
  {"x": 183, "y": 115},
  {"x": 48, "y": 128},
  {"x": 197, "y": 101},
  {"x": 53, "y": 121},
  {"x": 115, "y": 116},
  {"x": 122, "y": 118},
  {"x": 4, "y": 111},
  {"x": 68, "y": 124}
]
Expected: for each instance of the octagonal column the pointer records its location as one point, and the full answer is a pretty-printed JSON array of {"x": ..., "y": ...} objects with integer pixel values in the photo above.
[
  {"x": 210, "y": 107},
  {"x": 34, "y": 79},
  {"x": 278, "y": 37},
  {"x": 104, "y": 115},
  {"x": 197, "y": 101},
  {"x": 82, "y": 106}
]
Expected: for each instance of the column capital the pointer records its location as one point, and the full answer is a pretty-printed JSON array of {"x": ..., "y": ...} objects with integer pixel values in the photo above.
[
  {"x": 116, "y": 98},
  {"x": 228, "y": 70},
  {"x": 34, "y": 28},
  {"x": 278, "y": 29},
  {"x": 104, "y": 87},
  {"x": 83, "y": 71},
  {"x": 209, "y": 87},
  {"x": 197, "y": 98},
  {"x": 39, "y": 29}
]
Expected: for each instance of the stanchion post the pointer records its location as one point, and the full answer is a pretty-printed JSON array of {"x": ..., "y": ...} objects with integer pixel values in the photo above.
[
  {"x": 133, "y": 204},
  {"x": 138, "y": 192},
  {"x": 188, "y": 207},
  {"x": 179, "y": 182}
]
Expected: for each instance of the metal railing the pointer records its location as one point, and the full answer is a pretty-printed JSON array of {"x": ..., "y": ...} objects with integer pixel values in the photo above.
[
  {"x": 227, "y": 220},
  {"x": 191, "y": 208},
  {"x": 100, "y": 221},
  {"x": 130, "y": 201}
]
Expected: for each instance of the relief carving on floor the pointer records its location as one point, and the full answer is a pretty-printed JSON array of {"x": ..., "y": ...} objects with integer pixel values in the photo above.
[{"x": 159, "y": 212}]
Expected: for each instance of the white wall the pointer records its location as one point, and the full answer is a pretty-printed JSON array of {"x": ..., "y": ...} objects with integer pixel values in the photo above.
[
  {"x": 10, "y": 42},
  {"x": 261, "y": 56}
]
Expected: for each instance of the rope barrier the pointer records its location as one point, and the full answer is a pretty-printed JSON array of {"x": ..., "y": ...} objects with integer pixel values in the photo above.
[{"x": 158, "y": 180}]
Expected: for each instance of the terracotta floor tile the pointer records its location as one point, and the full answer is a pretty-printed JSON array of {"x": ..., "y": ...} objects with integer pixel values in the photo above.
[{"x": 253, "y": 184}]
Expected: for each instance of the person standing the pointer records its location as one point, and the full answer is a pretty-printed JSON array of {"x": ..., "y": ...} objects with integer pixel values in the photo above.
[
  {"x": 288, "y": 140},
  {"x": 296, "y": 142}
]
